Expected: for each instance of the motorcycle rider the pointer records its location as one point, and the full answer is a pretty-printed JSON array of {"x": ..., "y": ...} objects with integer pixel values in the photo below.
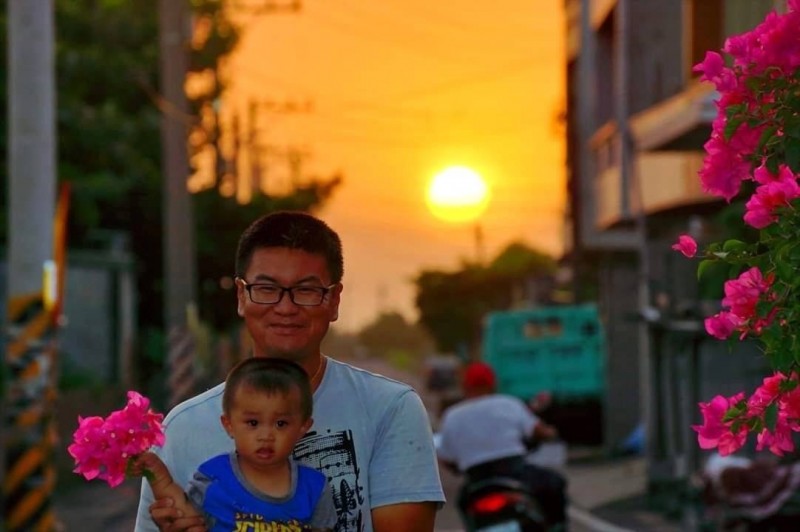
[{"x": 488, "y": 435}]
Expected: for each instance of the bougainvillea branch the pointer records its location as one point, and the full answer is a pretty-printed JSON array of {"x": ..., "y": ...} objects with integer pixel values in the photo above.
[{"x": 754, "y": 149}]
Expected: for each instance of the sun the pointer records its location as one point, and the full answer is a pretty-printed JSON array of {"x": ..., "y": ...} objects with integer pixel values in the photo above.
[{"x": 457, "y": 194}]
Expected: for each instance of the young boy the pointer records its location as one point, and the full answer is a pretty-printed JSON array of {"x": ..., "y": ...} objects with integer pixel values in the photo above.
[{"x": 266, "y": 410}]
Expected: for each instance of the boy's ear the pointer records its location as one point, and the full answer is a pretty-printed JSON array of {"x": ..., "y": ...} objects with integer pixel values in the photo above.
[
  {"x": 307, "y": 425},
  {"x": 226, "y": 424}
]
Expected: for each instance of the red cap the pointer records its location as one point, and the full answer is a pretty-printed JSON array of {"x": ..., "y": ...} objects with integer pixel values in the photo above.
[{"x": 479, "y": 375}]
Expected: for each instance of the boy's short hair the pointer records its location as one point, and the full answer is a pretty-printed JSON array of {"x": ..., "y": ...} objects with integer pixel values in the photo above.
[
  {"x": 268, "y": 375},
  {"x": 294, "y": 230}
]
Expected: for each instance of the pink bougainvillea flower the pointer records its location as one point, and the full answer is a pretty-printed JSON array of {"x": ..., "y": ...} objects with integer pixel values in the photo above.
[
  {"x": 751, "y": 133},
  {"x": 686, "y": 245},
  {"x": 778, "y": 441},
  {"x": 712, "y": 429},
  {"x": 732, "y": 441},
  {"x": 775, "y": 192},
  {"x": 86, "y": 446},
  {"x": 715, "y": 432},
  {"x": 790, "y": 403},
  {"x": 743, "y": 294},
  {"x": 711, "y": 68},
  {"x": 723, "y": 169},
  {"x": 765, "y": 395},
  {"x": 722, "y": 324},
  {"x": 102, "y": 447}
]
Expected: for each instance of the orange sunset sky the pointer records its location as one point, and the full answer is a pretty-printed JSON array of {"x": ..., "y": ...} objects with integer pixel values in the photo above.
[{"x": 399, "y": 90}]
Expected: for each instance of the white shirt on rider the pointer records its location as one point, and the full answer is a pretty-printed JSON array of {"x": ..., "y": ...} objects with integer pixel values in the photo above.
[{"x": 486, "y": 428}]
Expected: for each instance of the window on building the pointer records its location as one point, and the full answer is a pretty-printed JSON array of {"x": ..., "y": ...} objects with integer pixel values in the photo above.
[{"x": 705, "y": 22}]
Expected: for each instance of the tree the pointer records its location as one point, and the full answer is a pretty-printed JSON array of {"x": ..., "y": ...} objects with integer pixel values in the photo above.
[
  {"x": 452, "y": 305},
  {"x": 108, "y": 143},
  {"x": 391, "y": 332}
]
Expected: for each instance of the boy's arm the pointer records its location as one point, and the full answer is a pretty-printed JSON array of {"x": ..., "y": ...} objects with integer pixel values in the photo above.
[{"x": 168, "y": 516}]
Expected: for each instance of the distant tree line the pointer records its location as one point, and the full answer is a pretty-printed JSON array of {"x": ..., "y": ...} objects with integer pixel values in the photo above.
[{"x": 453, "y": 304}]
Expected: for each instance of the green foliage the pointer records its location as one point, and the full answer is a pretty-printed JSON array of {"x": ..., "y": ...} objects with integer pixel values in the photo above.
[
  {"x": 109, "y": 149},
  {"x": 452, "y": 304},
  {"x": 391, "y": 333},
  {"x": 518, "y": 260}
]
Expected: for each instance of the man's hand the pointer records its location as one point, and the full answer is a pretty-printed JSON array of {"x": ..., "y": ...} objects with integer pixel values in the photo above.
[{"x": 170, "y": 519}]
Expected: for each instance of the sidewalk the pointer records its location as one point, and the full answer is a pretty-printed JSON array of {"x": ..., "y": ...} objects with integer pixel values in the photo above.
[{"x": 610, "y": 496}]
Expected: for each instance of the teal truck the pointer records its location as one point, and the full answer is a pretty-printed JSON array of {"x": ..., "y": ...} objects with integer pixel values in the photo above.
[{"x": 555, "y": 349}]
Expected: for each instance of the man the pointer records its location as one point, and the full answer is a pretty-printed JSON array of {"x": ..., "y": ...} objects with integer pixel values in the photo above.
[
  {"x": 488, "y": 434},
  {"x": 371, "y": 435}
]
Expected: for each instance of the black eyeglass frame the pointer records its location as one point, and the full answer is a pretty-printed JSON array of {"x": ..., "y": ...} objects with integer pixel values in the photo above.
[{"x": 323, "y": 291}]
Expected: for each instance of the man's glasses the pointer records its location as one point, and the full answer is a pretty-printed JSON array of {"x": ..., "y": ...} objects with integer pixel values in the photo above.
[{"x": 271, "y": 294}]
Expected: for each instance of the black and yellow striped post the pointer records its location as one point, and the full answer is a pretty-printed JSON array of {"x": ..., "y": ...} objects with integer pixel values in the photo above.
[
  {"x": 30, "y": 391},
  {"x": 29, "y": 416}
]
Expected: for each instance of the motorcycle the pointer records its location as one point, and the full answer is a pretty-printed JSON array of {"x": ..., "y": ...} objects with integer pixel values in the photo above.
[
  {"x": 503, "y": 504},
  {"x": 499, "y": 504}
]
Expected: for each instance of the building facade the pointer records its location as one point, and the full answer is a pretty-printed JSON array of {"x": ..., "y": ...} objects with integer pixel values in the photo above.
[{"x": 637, "y": 119}]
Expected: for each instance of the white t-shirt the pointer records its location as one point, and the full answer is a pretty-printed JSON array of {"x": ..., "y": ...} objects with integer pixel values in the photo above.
[
  {"x": 485, "y": 428},
  {"x": 371, "y": 438}
]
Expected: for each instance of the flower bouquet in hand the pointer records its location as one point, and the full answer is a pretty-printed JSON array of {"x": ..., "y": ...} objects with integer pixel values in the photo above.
[
  {"x": 118, "y": 446},
  {"x": 105, "y": 448},
  {"x": 754, "y": 150}
]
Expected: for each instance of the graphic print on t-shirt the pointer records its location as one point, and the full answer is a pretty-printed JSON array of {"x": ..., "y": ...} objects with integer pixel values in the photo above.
[{"x": 334, "y": 455}]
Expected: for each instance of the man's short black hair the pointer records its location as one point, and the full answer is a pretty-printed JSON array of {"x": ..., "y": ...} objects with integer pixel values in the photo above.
[
  {"x": 268, "y": 375},
  {"x": 294, "y": 230}
]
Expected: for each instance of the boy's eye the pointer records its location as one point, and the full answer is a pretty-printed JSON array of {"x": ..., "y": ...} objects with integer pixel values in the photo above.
[
  {"x": 281, "y": 423},
  {"x": 251, "y": 422}
]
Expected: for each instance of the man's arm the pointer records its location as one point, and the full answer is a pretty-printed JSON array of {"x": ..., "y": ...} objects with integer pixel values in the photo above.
[
  {"x": 450, "y": 466},
  {"x": 406, "y": 517},
  {"x": 405, "y": 489},
  {"x": 544, "y": 432}
]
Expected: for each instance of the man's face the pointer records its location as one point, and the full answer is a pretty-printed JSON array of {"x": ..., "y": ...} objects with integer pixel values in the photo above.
[{"x": 285, "y": 329}]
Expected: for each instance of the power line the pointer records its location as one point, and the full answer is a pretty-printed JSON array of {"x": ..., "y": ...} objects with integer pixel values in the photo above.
[{"x": 400, "y": 17}]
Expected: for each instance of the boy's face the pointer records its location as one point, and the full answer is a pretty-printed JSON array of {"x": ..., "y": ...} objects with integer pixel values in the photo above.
[{"x": 265, "y": 427}]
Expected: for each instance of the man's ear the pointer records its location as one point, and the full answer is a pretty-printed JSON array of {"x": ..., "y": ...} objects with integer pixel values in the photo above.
[
  {"x": 241, "y": 297},
  {"x": 336, "y": 297}
]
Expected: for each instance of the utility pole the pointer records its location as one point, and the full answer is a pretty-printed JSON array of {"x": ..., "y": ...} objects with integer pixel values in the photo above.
[
  {"x": 27, "y": 380},
  {"x": 179, "y": 252}
]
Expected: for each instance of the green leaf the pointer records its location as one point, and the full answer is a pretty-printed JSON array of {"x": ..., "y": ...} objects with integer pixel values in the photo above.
[
  {"x": 731, "y": 126},
  {"x": 735, "y": 412},
  {"x": 792, "y": 150},
  {"x": 733, "y": 245},
  {"x": 771, "y": 416},
  {"x": 703, "y": 266},
  {"x": 772, "y": 164},
  {"x": 767, "y": 135},
  {"x": 791, "y": 129},
  {"x": 787, "y": 385}
]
